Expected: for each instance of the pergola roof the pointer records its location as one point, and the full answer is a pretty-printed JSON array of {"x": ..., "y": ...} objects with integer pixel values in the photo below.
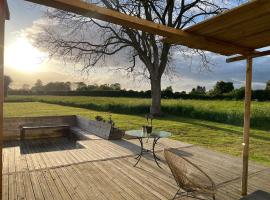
[
  {"x": 246, "y": 26},
  {"x": 237, "y": 31}
]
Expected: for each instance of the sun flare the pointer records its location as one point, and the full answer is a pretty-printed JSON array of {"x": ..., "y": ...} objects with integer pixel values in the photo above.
[{"x": 22, "y": 56}]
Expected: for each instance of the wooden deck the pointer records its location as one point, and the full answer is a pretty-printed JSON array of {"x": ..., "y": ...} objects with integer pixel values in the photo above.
[{"x": 101, "y": 169}]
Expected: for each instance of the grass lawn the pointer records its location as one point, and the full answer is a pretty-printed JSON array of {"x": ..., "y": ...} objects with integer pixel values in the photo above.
[
  {"x": 228, "y": 112},
  {"x": 216, "y": 136}
]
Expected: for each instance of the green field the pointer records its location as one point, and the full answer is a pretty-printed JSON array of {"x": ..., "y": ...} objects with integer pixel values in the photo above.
[
  {"x": 229, "y": 112},
  {"x": 216, "y": 136}
]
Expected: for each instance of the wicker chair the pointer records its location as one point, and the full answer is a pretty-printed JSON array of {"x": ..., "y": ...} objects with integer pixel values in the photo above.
[{"x": 192, "y": 181}]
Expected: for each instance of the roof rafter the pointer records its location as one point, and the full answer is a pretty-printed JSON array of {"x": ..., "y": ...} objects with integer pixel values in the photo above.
[
  {"x": 187, "y": 39},
  {"x": 255, "y": 55}
]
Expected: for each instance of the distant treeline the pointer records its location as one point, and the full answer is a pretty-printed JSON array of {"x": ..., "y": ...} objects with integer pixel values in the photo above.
[
  {"x": 238, "y": 94},
  {"x": 221, "y": 91}
]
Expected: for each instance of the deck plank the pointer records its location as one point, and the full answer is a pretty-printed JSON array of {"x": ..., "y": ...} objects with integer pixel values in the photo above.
[{"x": 102, "y": 169}]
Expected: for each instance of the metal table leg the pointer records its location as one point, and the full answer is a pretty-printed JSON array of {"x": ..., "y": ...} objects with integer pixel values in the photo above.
[
  {"x": 141, "y": 153},
  {"x": 153, "y": 150},
  {"x": 139, "y": 156}
]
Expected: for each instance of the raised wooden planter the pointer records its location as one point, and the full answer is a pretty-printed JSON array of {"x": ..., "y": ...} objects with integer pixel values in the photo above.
[
  {"x": 58, "y": 126},
  {"x": 116, "y": 134}
]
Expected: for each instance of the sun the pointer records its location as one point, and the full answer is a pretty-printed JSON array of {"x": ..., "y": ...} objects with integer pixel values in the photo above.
[{"x": 22, "y": 56}]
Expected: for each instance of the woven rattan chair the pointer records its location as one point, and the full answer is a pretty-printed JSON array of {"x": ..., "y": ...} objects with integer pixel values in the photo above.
[{"x": 192, "y": 181}]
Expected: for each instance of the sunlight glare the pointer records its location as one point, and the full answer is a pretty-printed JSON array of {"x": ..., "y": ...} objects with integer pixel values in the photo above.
[{"x": 22, "y": 56}]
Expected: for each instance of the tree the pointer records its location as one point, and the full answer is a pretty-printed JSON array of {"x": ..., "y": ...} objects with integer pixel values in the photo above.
[
  {"x": 7, "y": 82},
  {"x": 222, "y": 87},
  {"x": 25, "y": 87},
  {"x": 267, "y": 85},
  {"x": 148, "y": 54},
  {"x": 200, "y": 90},
  {"x": 169, "y": 89},
  {"x": 57, "y": 87},
  {"x": 168, "y": 92},
  {"x": 104, "y": 87},
  {"x": 38, "y": 87},
  {"x": 81, "y": 86},
  {"x": 115, "y": 86}
]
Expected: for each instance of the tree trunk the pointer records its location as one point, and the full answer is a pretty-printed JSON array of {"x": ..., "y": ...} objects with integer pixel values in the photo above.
[{"x": 156, "y": 96}]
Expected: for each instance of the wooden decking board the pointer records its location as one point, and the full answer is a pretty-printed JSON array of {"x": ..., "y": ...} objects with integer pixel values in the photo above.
[
  {"x": 29, "y": 159},
  {"x": 40, "y": 176},
  {"x": 69, "y": 155},
  {"x": 209, "y": 161},
  {"x": 110, "y": 171},
  {"x": 94, "y": 186},
  {"x": 223, "y": 158},
  {"x": 101, "y": 169},
  {"x": 28, "y": 185},
  {"x": 136, "y": 191},
  {"x": 73, "y": 183},
  {"x": 82, "y": 185},
  {"x": 11, "y": 163},
  {"x": 61, "y": 188},
  {"x": 20, "y": 193},
  {"x": 93, "y": 192},
  {"x": 99, "y": 183},
  {"x": 138, "y": 179},
  {"x": 166, "y": 185},
  {"x": 11, "y": 186},
  {"x": 5, "y": 187},
  {"x": 164, "y": 173},
  {"x": 62, "y": 177},
  {"x": 44, "y": 185},
  {"x": 104, "y": 181},
  {"x": 52, "y": 186},
  {"x": 36, "y": 187}
]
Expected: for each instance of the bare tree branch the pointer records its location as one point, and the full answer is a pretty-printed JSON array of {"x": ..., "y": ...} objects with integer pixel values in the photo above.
[{"x": 70, "y": 37}]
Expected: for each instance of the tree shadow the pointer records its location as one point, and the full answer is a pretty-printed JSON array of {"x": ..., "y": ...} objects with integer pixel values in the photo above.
[
  {"x": 258, "y": 195},
  {"x": 48, "y": 145}
]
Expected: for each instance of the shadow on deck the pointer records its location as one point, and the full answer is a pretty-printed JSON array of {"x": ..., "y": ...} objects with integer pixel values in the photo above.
[{"x": 39, "y": 146}]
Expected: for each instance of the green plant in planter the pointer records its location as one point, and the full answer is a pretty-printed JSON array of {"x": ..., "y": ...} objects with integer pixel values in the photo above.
[
  {"x": 110, "y": 121},
  {"x": 99, "y": 118}
]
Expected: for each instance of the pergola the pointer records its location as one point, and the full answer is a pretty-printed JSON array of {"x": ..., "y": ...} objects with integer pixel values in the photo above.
[{"x": 239, "y": 32}]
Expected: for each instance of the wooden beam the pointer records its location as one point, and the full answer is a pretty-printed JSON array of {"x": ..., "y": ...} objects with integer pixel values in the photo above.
[
  {"x": 7, "y": 13},
  {"x": 210, "y": 44},
  {"x": 248, "y": 89},
  {"x": 173, "y": 35},
  {"x": 2, "y": 36},
  {"x": 255, "y": 55}
]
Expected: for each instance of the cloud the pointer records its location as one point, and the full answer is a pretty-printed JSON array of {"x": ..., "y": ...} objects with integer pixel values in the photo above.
[{"x": 188, "y": 74}]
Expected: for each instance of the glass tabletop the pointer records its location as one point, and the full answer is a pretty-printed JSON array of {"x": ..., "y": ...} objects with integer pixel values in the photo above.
[{"x": 154, "y": 134}]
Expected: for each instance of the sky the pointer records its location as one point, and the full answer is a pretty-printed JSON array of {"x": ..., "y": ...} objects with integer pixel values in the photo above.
[{"x": 25, "y": 63}]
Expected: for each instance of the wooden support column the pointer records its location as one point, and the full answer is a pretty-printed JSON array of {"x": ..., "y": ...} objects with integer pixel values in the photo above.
[
  {"x": 248, "y": 89},
  {"x": 3, "y": 13}
]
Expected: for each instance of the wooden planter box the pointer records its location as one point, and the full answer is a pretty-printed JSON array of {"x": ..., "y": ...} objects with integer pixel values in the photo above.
[{"x": 116, "y": 134}]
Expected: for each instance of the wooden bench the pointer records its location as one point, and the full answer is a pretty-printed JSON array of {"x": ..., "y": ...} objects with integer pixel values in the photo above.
[
  {"x": 98, "y": 128},
  {"x": 83, "y": 135},
  {"x": 55, "y": 131}
]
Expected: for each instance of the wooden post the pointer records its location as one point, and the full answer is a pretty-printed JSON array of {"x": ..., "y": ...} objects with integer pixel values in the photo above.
[
  {"x": 246, "y": 125},
  {"x": 3, "y": 7}
]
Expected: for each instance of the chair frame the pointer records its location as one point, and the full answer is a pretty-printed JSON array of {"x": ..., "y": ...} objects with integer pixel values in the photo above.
[{"x": 181, "y": 192}]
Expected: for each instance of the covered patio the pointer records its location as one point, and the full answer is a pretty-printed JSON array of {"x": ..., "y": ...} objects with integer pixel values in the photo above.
[{"x": 87, "y": 173}]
